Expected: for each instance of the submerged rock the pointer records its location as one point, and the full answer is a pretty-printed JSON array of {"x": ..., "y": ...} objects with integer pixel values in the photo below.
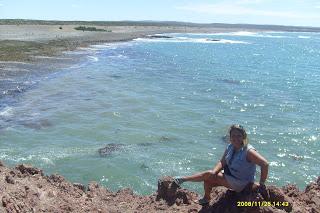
[
  {"x": 36, "y": 125},
  {"x": 109, "y": 149},
  {"x": 213, "y": 39},
  {"x": 159, "y": 36}
]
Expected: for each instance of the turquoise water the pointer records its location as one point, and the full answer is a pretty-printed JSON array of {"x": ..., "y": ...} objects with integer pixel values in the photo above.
[{"x": 168, "y": 103}]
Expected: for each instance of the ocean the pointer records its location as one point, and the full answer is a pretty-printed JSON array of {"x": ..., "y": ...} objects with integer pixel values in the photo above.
[{"x": 163, "y": 107}]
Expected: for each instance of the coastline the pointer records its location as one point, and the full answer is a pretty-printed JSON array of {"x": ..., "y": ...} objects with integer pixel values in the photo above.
[
  {"x": 39, "y": 49},
  {"x": 22, "y": 42}
]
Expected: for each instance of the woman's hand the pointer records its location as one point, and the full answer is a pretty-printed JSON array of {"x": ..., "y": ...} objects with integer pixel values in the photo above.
[
  {"x": 264, "y": 191},
  {"x": 213, "y": 174}
]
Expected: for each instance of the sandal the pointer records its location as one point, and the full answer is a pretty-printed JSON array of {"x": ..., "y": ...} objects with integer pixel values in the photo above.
[
  {"x": 178, "y": 181},
  {"x": 203, "y": 202}
]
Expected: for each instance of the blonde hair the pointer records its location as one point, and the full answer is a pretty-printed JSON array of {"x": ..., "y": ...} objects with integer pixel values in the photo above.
[{"x": 240, "y": 129}]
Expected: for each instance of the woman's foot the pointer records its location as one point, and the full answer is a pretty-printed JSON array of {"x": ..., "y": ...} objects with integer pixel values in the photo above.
[
  {"x": 178, "y": 181},
  {"x": 203, "y": 201}
]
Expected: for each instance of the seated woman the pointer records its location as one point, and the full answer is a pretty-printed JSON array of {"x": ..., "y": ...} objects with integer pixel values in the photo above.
[{"x": 238, "y": 164}]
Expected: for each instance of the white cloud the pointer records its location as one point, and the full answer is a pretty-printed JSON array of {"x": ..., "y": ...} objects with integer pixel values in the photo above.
[
  {"x": 238, "y": 10},
  {"x": 243, "y": 2}
]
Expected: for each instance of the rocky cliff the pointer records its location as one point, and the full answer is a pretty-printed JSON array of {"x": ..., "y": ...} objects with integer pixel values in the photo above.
[{"x": 27, "y": 189}]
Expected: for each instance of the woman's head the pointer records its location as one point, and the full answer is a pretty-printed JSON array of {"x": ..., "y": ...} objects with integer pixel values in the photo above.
[{"x": 238, "y": 135}]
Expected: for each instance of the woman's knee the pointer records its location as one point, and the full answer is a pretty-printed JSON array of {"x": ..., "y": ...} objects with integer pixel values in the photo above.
[{"x": 208, "y": 175}]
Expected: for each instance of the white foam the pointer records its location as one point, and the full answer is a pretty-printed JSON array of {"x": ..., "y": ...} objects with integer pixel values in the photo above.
[
  {"x": 93, "y": 58},
  {"x": 244, "y": 33},
  {"x": 191, "y": 40},
  {"x": 87, "y": 48},
  {"x": 117, "y": 56},
  {"x": 277, "y": 164},
  {"x": 47, "y": 161},
  {"x": 225, "y": 41},
  {"x": 249, "y": 34},
  {"x": 7, "y": 112},
  {"x": 306, "y": 37},
  {"x": 312, "y": 138},
  {"x": 111, "y": 46},
  {"x": 101, "y": 46}
]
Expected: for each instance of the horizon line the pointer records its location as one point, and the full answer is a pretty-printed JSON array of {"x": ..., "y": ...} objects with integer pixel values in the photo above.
[{"x": 157, "y": 21}]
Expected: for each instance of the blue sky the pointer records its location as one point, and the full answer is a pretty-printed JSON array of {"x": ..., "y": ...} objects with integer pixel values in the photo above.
[{"x": 280, "y": 12}]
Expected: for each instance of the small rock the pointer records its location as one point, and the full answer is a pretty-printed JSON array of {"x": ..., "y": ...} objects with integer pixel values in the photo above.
[
  {"x": 51, "y": 194},
  {"x": 56, "y": 178},
  {"x": 168, "y": 191},
  {"x": 93, "y": 186},
  {"x": 27, "y": 169},
  {"x": 80, "y": 186},
  {"x": 9, "y": 179}
]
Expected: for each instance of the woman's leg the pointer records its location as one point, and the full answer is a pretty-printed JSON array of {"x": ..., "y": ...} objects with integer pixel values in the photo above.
[
  {"x": 199, "y": 176},
  {"x": 210, "y": 180},
  {"x": 217, "y": 180},
  {"x": 194, "y": 178}
]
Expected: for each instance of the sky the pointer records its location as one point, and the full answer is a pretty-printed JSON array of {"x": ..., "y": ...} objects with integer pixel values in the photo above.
[{"x": 278, "y": 12}]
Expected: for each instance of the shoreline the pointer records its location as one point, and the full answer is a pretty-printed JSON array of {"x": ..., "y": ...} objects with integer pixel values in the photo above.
[{"x": 34, "y": 49}]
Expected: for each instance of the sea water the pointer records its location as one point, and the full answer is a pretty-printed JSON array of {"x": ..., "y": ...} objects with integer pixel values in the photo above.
[{"x": 165, "y": 105}]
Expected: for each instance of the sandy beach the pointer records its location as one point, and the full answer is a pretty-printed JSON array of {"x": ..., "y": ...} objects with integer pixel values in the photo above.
[
  {"x": 23, "y": 42},
  {"x": 35, "y": 40},
  {"x": 36, "y": 45},
  {"x": 31, "y": 48}
]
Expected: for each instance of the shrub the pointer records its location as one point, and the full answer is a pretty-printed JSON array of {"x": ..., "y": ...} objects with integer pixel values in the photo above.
[{"x": 84, "y": 28}]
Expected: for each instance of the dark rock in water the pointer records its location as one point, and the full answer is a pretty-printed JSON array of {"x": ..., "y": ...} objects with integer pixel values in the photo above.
[
  {"x": 109, "y": 149},
  {"x": 41, "y": 124},
  {"x": 213, "y": 39},
  {"x": 115, "y": 76},
  {"x": 164, "y": 139},
  {"x": 159, "y": 36},
  {"x": 144, "y": 144},
  {"x": 144, "y": 166}
]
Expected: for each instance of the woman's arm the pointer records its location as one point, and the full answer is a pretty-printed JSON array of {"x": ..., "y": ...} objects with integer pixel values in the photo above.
[
  {"x": 219, "y": 166},
  {"x": 254, "y": 157}
]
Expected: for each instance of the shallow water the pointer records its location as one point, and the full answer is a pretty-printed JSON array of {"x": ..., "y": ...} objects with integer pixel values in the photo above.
[{"x": 168, "y": 104}]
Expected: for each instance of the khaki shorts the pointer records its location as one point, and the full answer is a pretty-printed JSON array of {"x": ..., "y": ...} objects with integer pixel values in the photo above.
[{"x": 236, "y": 185}]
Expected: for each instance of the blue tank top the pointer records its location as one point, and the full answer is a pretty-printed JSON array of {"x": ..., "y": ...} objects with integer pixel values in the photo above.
[{"x": 238, "y": 165}]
